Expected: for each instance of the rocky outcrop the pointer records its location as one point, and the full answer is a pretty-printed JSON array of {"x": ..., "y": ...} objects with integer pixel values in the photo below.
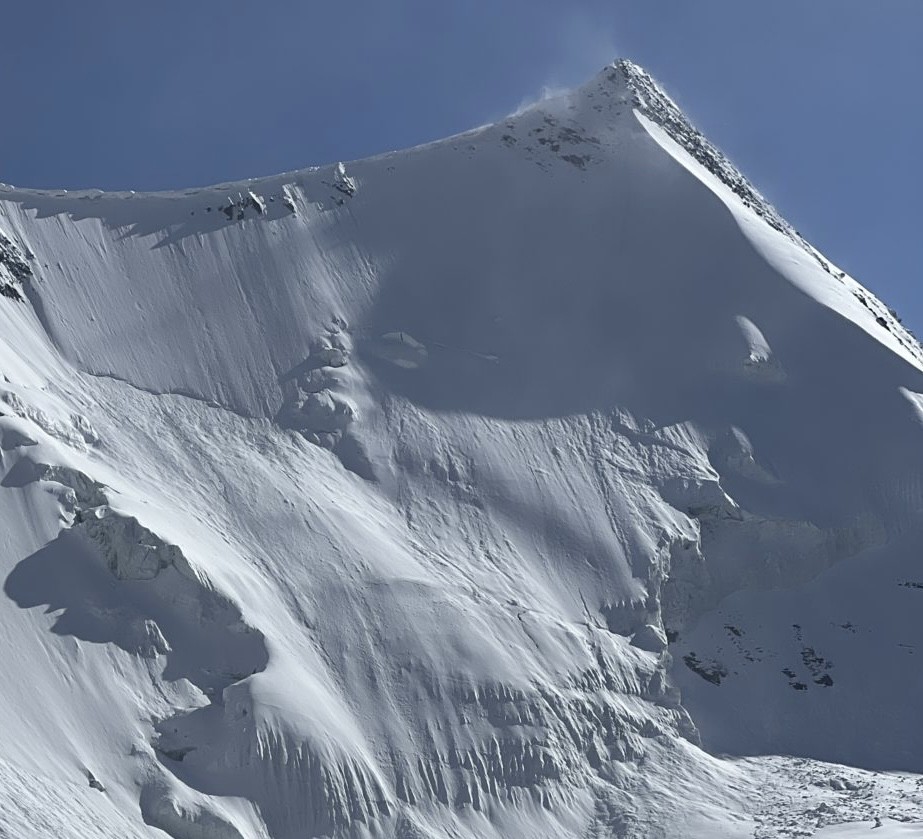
[
  {"x": 14, "y": 269},
  {"x": 342, "y": 182},
  {"x": 237, "y": 208}
]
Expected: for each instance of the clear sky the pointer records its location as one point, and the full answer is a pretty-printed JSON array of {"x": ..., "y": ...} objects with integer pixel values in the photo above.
[{"x": 819, "y": 102}]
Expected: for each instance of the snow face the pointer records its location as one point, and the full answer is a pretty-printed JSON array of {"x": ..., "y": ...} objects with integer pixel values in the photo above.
[{"x": 465, "y": 491}]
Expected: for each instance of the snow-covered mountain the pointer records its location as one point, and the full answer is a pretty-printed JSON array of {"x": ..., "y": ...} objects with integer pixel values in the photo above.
[{"x": 537, "y": 482}]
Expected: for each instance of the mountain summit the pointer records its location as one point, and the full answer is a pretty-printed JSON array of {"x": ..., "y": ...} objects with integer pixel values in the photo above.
[{"x": 537, "y": 482}]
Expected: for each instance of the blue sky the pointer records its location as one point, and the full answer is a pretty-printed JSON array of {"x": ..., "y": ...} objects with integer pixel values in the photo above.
[{"x": 818, "y": 101}]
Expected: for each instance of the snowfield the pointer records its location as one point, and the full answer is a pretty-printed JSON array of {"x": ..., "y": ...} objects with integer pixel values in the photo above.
[{"x": 538, "y": 482}]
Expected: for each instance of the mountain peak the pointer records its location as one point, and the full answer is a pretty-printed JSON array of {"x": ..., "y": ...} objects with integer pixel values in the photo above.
[
  {"x": 627, "y": 68},
  {"x": 649, "y": 98},
  {"x": 447, "y": 493},
  {"x": 626, "y": 75}
]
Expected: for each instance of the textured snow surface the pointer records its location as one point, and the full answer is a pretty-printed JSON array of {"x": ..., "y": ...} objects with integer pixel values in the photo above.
[{"x": 538, "y": 482}]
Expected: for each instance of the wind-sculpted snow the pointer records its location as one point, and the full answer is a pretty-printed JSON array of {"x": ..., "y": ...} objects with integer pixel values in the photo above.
[{"x": 486, "y": 489}]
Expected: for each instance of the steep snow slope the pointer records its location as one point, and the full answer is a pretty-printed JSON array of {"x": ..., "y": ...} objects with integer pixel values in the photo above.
[{"x": 362, "y": 500}]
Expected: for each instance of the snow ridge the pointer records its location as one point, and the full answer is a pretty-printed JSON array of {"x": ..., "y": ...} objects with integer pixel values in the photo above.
[{"x": 650, "y": 99}]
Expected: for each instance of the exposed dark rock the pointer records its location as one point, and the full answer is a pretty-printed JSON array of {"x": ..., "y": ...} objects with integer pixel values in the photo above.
[
  {"x": 93, "y": 782},
  {"x": 14, "y": 269},
  {"x": 712, "y": 671}
]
